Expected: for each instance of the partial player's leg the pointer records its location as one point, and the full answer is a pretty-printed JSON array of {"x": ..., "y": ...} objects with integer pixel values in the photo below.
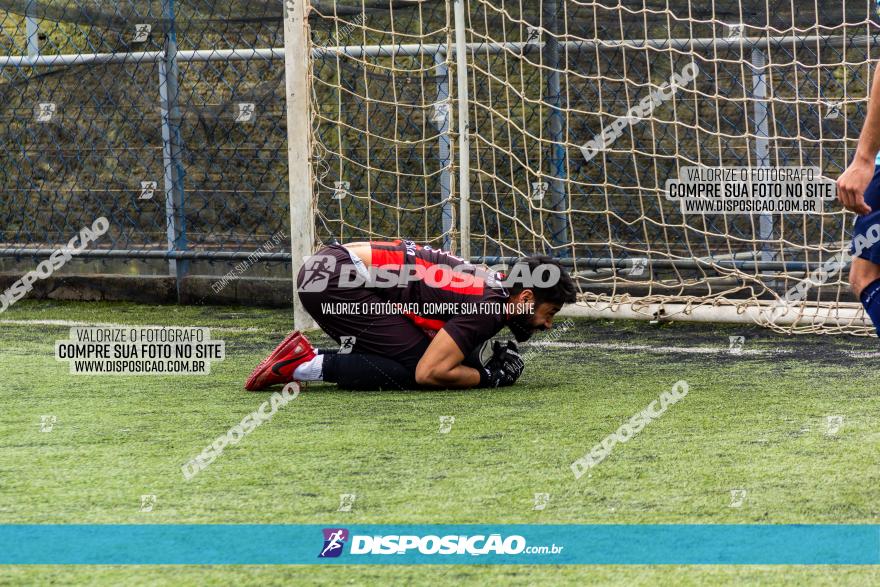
[
  {"x": 864, "y": 279},
  {"x": 366, "y": 371},
  {"x": 296, "y": 360},
  {"x": 864, "y": 274}
]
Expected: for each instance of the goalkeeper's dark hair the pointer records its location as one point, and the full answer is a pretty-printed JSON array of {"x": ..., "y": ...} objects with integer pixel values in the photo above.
[{"x": 560, "y": 293}]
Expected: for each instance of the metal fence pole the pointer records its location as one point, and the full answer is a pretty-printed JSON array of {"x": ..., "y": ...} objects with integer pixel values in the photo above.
[
  {"x": 444, "y": 147},
  {"x": 175, "y": 217},
  {"x": 297, "y": 64},
  {"x": 558, "y": 204},
  {"x": 762, "y": 142},
  {"x": 464, "y": 128},
  {"x": 31, "y": 29}
]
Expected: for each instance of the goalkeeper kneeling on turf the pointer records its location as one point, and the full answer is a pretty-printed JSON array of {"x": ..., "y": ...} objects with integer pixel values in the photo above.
[{"x": 407, "y": 316}]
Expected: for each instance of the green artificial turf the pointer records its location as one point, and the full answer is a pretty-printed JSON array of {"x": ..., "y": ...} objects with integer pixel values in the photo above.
[{"x": 755, "y": 421}]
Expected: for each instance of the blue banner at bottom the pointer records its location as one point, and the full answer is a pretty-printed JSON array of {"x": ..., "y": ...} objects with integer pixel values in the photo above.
[{"x": 203, "y": 544}]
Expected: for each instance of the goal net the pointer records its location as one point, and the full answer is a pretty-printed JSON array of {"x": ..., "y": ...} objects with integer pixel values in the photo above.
[{"x": 770, "y": 83}]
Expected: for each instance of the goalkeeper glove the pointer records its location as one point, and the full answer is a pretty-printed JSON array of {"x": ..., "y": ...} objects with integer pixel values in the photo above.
[{"x": 504, "y": 368}]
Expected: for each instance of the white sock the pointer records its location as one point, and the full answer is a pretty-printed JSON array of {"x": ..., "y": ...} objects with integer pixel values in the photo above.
[{"x": 310, "y": 370}]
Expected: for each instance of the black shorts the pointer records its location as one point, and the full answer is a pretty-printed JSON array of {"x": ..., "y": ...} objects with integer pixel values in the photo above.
[{"x": 392, "y": 336}]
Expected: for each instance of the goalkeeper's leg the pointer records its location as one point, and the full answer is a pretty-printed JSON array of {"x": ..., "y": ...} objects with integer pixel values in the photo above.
[
  {"x": 358, "y": 371},
  {"x": 368, "y": 371}
]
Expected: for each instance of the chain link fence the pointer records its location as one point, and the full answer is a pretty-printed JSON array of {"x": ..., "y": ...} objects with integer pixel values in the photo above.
[{"x": 167, "y": 118}]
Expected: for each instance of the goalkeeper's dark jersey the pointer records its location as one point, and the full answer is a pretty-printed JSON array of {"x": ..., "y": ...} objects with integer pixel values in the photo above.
[{"x": 472, "y": 290}]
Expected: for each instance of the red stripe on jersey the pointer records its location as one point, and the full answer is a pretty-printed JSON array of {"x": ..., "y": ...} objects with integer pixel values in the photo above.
[
  {"x": 463, "y": 283},
  {"x": 385, "y": 244},
  {"x": 428, "y": 323},
  {"x": 382, "y": 257}
]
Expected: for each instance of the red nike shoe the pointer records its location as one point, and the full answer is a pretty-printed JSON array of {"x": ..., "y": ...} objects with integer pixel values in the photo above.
[{"x": 279, "y": 366}]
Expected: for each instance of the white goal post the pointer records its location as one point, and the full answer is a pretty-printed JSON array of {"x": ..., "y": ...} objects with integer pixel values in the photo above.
[{"x": 297, "y": 65}]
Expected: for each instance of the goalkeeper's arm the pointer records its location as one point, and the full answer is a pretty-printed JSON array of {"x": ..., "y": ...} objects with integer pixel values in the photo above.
[{"x": 441, "y": 365}]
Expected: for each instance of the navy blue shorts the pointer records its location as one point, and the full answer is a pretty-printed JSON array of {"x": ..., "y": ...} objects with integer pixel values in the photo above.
[{"x": 863, "y": 223}]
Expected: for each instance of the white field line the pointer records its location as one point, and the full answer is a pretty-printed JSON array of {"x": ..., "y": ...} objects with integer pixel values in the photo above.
[
  {"x": 695, "y": 350},
  {"x": 700, "y": 350},
  {"x": 73, "y": 323}
]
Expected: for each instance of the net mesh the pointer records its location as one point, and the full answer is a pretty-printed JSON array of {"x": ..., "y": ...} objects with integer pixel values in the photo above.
[{"x": 779, "y": 83}]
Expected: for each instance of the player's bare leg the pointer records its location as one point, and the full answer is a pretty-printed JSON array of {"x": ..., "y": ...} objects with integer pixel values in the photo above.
[
  {"x": 864, "y": 279},
  {"x": 861, "y": 274}
]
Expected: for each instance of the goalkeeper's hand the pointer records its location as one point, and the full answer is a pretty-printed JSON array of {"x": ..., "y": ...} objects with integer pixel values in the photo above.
[{"x": 504, "y": 368}]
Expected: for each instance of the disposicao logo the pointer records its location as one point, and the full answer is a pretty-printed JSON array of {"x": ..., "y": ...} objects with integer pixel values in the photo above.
[{"x": 334, "y": 540}]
